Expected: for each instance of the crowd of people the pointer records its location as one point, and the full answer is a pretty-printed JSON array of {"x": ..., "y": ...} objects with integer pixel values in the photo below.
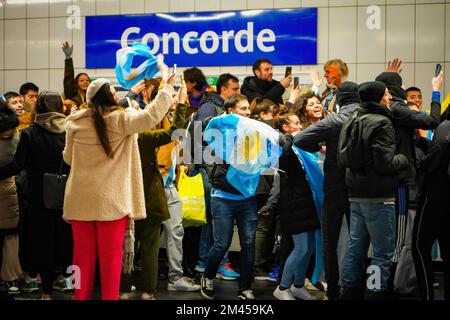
[{"x": 385, "y": 164}]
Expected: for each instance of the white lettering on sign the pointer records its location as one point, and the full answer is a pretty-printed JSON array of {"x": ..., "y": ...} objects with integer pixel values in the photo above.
[{"x": 208, "y": 42}]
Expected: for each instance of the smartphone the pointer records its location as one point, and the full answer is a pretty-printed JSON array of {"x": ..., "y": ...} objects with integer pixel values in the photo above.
[
  {"x": 181, "y": 78},
  {"x": 296, "y": 82},
  {"x": 175, "y": 68},
  {"x": 288, "y": 71},
  {"x": 438, "y": 69}
]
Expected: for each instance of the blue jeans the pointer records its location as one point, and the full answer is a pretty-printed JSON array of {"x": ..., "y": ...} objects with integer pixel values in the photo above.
[
  {"x": 224, "y": 212},
  {"x": 206, "y": 238},
  {"x": 297, "y": 263},
  {"x": 370, "y": 222}
]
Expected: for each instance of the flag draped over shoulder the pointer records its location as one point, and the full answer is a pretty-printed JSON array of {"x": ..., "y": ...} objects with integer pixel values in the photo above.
[
  {"x": 124, "y": 60},
  {"x": 314, "y": 173},
  {"x": 247, "y": 145}
]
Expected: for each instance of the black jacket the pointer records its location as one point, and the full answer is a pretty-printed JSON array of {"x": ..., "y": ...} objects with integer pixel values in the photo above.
[
  {"x": 378, "y": 179},
  {"x": 296, "y": 205},
  {"x": 327, "y": 130},
  {"x": 405, "y": 122},
  {"x": 254, "y": 87},
  {"x": 210, "y": 106}
]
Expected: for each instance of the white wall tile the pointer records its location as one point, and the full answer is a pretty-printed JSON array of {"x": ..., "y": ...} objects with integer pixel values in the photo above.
[
  {"x": 210, "y": 5},
  {"x": 182, "y": 5},
  {"x": 352, "y": 72},
  {"x": 56, "y": 80},
  {"x": 107, "y": 7},
  {"x": 314, "y": 3},
  {"x": 79, "y": 44},
  {"x": 2, "y": 45},
  {"x": 40, "y": 78},
  {"x": 430, "y": 40},
  {"x": 14, "y": 79},
  {"x": 370, "y": 2},
  {"x": 157, "y": 6},
  {"x": 341, "y": 3},
  {"x": 37, "y": 8},
  {"x": 58, "y": 35},
  {"x": 87, "y": 7},
  {"x": 287, "y": 4},
  {"x": 233, "y": 5},
  {"x": 446, "y": 67},
  {"x": 259, "y": 4},
  {"x": 400, "y": 1},
  {"x": 58, "y": 8},
  {"x": 424, "y": 74},
  {"x": 235, "y": 70},
  {"x": 429, "y": 1},
  {"x": 37, "y": 43},
  {"x": 371, "y": 43},
  {"x": 447, "y": 33},
  {"x": 368, "y": 71},
  {"x": 408, "y": 75},
  {"x": 400, "y": 32},
  {"x": 132, "y": 6},
  {"x": 2, "y": 12},
  {"x": 322, "y": 34},
  {"x": 16, "y": 10},
  {"x": 15, "y": 44},
  {"x": 342, "y": 35},
  {"x": 2, "y": 81}
]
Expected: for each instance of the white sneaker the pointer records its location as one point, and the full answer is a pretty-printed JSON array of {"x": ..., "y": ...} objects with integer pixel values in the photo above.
[
  {"x": 283, "y": 294},
  {"x": 183, "y": 284},
  {"x": 147, "y": 296},
  {"x": 302, "y": 293},
  {"x": 124, "y": 295}
]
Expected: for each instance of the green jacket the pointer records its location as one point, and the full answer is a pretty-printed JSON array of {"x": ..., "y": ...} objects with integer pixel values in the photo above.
[{"x": 155, "y": 196}]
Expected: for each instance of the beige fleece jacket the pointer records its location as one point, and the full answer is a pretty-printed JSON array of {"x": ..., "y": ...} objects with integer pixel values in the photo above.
[{"x": 101, "y": 188}]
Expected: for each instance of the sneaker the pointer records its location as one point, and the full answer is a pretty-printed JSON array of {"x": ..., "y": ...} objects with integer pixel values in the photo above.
[
  {"x": 62, "y": 284},
  {"x": 302, "y": 293},
  {"x": 225, "y": 272},
  {"x": 200, "y": 267},
  {"x": 273, "y": 276},
  {"x": 147, "y": 296},
  {"x": 207, "y": 288},
  {"x": 124, "y": 295},
  {"x": 183, "y": 284},
  {"x": 319, "y": 286},
  {"x": 13, "y": 287},
  {"x": 246, "y": 295},
  {"x": 31, "y": 285},
  {"x": 259, "y": 274},
  {"x": 283, "y": 294}
]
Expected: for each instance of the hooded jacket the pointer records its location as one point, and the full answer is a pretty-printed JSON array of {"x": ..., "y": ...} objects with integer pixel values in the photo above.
[
  {"x": 378, "y": 179},
  {"x": 328, "y": 130},
  {"x": 254, "y": 87},
  {"x": 9, "y": 206},
  {"x": 406, "y": 121},
  {"x": 101, "y": 188}
]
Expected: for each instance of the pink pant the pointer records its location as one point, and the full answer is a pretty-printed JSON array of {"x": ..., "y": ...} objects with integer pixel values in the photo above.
[{"x": 104, "y": 238}]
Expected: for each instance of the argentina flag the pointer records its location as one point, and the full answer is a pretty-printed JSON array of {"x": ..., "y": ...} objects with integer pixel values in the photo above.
[
  {"x": 312, "y": 164},
  {"x": 247, "y": 145}
]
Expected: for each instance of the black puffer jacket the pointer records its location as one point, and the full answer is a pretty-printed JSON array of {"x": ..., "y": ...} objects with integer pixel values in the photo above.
[
  {"x": 378, "y": 179},
  {"x": 254, "y": 87},
  {"x": 296, "y": 205}
]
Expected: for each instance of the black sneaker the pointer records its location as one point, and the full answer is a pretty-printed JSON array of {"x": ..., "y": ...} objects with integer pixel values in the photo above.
[
  {"x": 246, "y": 295},
  {"x": 207, "y": 288}
]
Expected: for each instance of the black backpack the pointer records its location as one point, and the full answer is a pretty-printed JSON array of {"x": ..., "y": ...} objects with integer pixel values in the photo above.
[{"x": 350, "y": 150}]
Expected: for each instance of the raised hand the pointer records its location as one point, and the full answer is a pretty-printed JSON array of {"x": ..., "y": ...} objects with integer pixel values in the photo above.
[
  {"x": 163, "y": 68},
  {"x": 316, "y": 80},
  {"x": 437, "y": 81},
  {"x": 286, "y": 82},
  {"x": 138, "y": 87},
  {"x": 394, "y": 66},
  {"x": 67, "y": 49}
]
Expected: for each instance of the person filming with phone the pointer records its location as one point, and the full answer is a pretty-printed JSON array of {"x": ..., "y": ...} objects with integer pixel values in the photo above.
[{"x": 262, "y": 86}]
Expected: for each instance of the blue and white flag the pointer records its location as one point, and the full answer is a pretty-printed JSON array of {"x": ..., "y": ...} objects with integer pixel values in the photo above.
[
  {"x": 247, "y": 145},
  {"x": 311, "y": 163},
  {"x": 124, "y": 60}
]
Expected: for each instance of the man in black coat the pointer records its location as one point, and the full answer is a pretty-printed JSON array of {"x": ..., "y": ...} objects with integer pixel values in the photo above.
[
  {"x": 432, "y": 219},
  {"x": 406, "y": 121},
  {"x": 372, "y": 186},
  {"x": 262, "y": 85},
  {"x": 335, "y": 204}
]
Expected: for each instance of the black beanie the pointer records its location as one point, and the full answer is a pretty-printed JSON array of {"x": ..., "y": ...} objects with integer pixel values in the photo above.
[
  {"x": 372, "y": 91},
  {"x": 390, "y": 79},
  {"x": 347, "y": 93}
]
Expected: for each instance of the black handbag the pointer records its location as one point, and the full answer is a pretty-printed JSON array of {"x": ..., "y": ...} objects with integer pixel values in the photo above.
[{"x": 54, "y": 185}]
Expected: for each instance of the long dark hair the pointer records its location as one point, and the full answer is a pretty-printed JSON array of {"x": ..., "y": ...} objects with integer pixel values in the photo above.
[
  {"x": 78, "y": 77},
  {"x": 101, "y": 103},
  {"x": 301, "y": 111},
  {"x": 49, "y": 102}
]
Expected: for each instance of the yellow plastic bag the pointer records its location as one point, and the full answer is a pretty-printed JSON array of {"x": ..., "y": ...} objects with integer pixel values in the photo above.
[{"x": 192, "y": 197}]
